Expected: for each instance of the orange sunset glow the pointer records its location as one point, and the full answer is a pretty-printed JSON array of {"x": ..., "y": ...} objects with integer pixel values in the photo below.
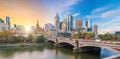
[{"x": 25, "y": 13}]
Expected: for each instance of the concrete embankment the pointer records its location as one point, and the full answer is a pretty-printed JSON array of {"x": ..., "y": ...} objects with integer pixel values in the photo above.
[{"x": 17, "y": 45}]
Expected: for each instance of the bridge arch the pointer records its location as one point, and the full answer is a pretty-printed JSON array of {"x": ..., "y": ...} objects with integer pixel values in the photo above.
[
  {"x": 65, "y": 45},
  {"x": 91, "y": 49},
  {"x": 51, "y": 41}
]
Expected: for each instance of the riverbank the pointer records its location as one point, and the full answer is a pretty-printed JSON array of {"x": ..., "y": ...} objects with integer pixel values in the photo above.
[{"x": 21, "y": 45}]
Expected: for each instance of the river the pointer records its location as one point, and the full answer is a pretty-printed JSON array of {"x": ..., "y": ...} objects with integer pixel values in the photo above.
[{"x": 43, "y": 52}]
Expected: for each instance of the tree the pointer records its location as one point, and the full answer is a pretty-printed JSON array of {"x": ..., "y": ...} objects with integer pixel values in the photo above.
[
  {"x": 40, "y": 39},
  {"x": 30, "y": 36},
  {"x": 84, "y": 35},
  {"x": 1, "y": 37},
  {"x": 21, "y": 38},
  {"x": 7, "y": 34},
  {"x": 79, "y": 34},
  {"x": 74, "y": 36}
]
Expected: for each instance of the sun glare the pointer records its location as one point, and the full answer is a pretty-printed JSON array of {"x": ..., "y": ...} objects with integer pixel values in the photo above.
[{"x": 27, "y": 29}]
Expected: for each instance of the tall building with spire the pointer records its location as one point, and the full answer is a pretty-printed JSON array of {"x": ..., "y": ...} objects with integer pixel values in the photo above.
[
  {"x": 56, "y": 22},
  {"x": 69, "y": 22},
  {"x": 37, "y": 28}
]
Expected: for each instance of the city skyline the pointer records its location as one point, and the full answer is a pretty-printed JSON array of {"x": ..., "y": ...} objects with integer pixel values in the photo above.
[{"x": 104, "y": 13}]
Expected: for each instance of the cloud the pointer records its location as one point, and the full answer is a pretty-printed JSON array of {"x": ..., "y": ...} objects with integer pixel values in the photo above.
[
  {"x": 112, "y": 13},
  {"x": 100, "y": 9},
  {"x": 60, "y": 5},
  {"x": 92, "y": 16},
  {"x": 76, "y": 14},
  {"x": 110, "y": 26},
  {"x": 107, "y": 14},
  {"x": 109, "y": 30}
]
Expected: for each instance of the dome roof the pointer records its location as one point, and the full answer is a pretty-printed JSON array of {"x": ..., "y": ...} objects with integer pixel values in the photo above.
[{"x": 1, "y": 20}]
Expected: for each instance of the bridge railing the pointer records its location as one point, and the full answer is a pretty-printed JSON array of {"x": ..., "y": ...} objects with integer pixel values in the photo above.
[{"x": 93, "y": 42}]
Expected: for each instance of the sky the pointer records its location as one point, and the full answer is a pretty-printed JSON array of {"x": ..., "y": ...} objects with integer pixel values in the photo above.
[{"x": 104, "y": 13}]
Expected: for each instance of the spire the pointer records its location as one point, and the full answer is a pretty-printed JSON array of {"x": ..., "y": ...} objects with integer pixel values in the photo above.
[
  {"x": 57, "y": 16},
  {"x": 37, "y": 27},
  {"x": 37, "y": 22}
]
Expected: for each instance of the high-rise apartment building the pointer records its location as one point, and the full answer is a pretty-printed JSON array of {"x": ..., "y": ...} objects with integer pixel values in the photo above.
[
  {"x": 64, "y": 25},
  {"x": 8, "y": 22},
  {"x": 89, "y": 26},
  {"x": 69, "y": 19},
  {"x": 56, "y": 22},
  {"x": 95, "y": 29},
  {"x": 79, "y": 25}
]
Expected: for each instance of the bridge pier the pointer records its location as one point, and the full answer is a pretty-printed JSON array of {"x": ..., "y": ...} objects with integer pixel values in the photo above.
[
  {"x": 76, "y": 48},
  {"x": 56, "y": 43}
]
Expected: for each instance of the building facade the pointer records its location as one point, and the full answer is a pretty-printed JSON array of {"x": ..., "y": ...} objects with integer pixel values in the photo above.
[
  {"x": 117, "y": 33},
  {"x": 89, "y": 25},
  {"x": 8, "y": 22},
  {"x": 56, "y": 22},
  {"x": 69, "y": 19},
  {"x": 64, "y": 25},
  {"x": 60, "y": 27},
  {"x": 49, "y": 26},
  {"x": 3, "y": 26},
  {"x": 79, "y": 25},
  {"x": 95, "y": 29}
]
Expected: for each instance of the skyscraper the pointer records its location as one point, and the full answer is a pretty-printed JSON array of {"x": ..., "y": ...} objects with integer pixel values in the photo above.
[
  {"x": 2, "y": 25},
  {"x": 69, "y": 22},
  {"x": 95, "y": 29},
  {"x": 78, "y": 25},
  {"x": 56, "y": 22},
  {"x": 8, "y": 22},
  {"x": 37, "y": 28},
  {"x": 89, "y": 26}
]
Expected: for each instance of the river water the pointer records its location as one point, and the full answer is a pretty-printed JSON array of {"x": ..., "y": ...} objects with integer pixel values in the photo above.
[{"x": 43, "y": 52}]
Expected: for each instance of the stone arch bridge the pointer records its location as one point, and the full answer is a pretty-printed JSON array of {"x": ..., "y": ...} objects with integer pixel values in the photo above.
[{"x": 81, "y": 45}]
